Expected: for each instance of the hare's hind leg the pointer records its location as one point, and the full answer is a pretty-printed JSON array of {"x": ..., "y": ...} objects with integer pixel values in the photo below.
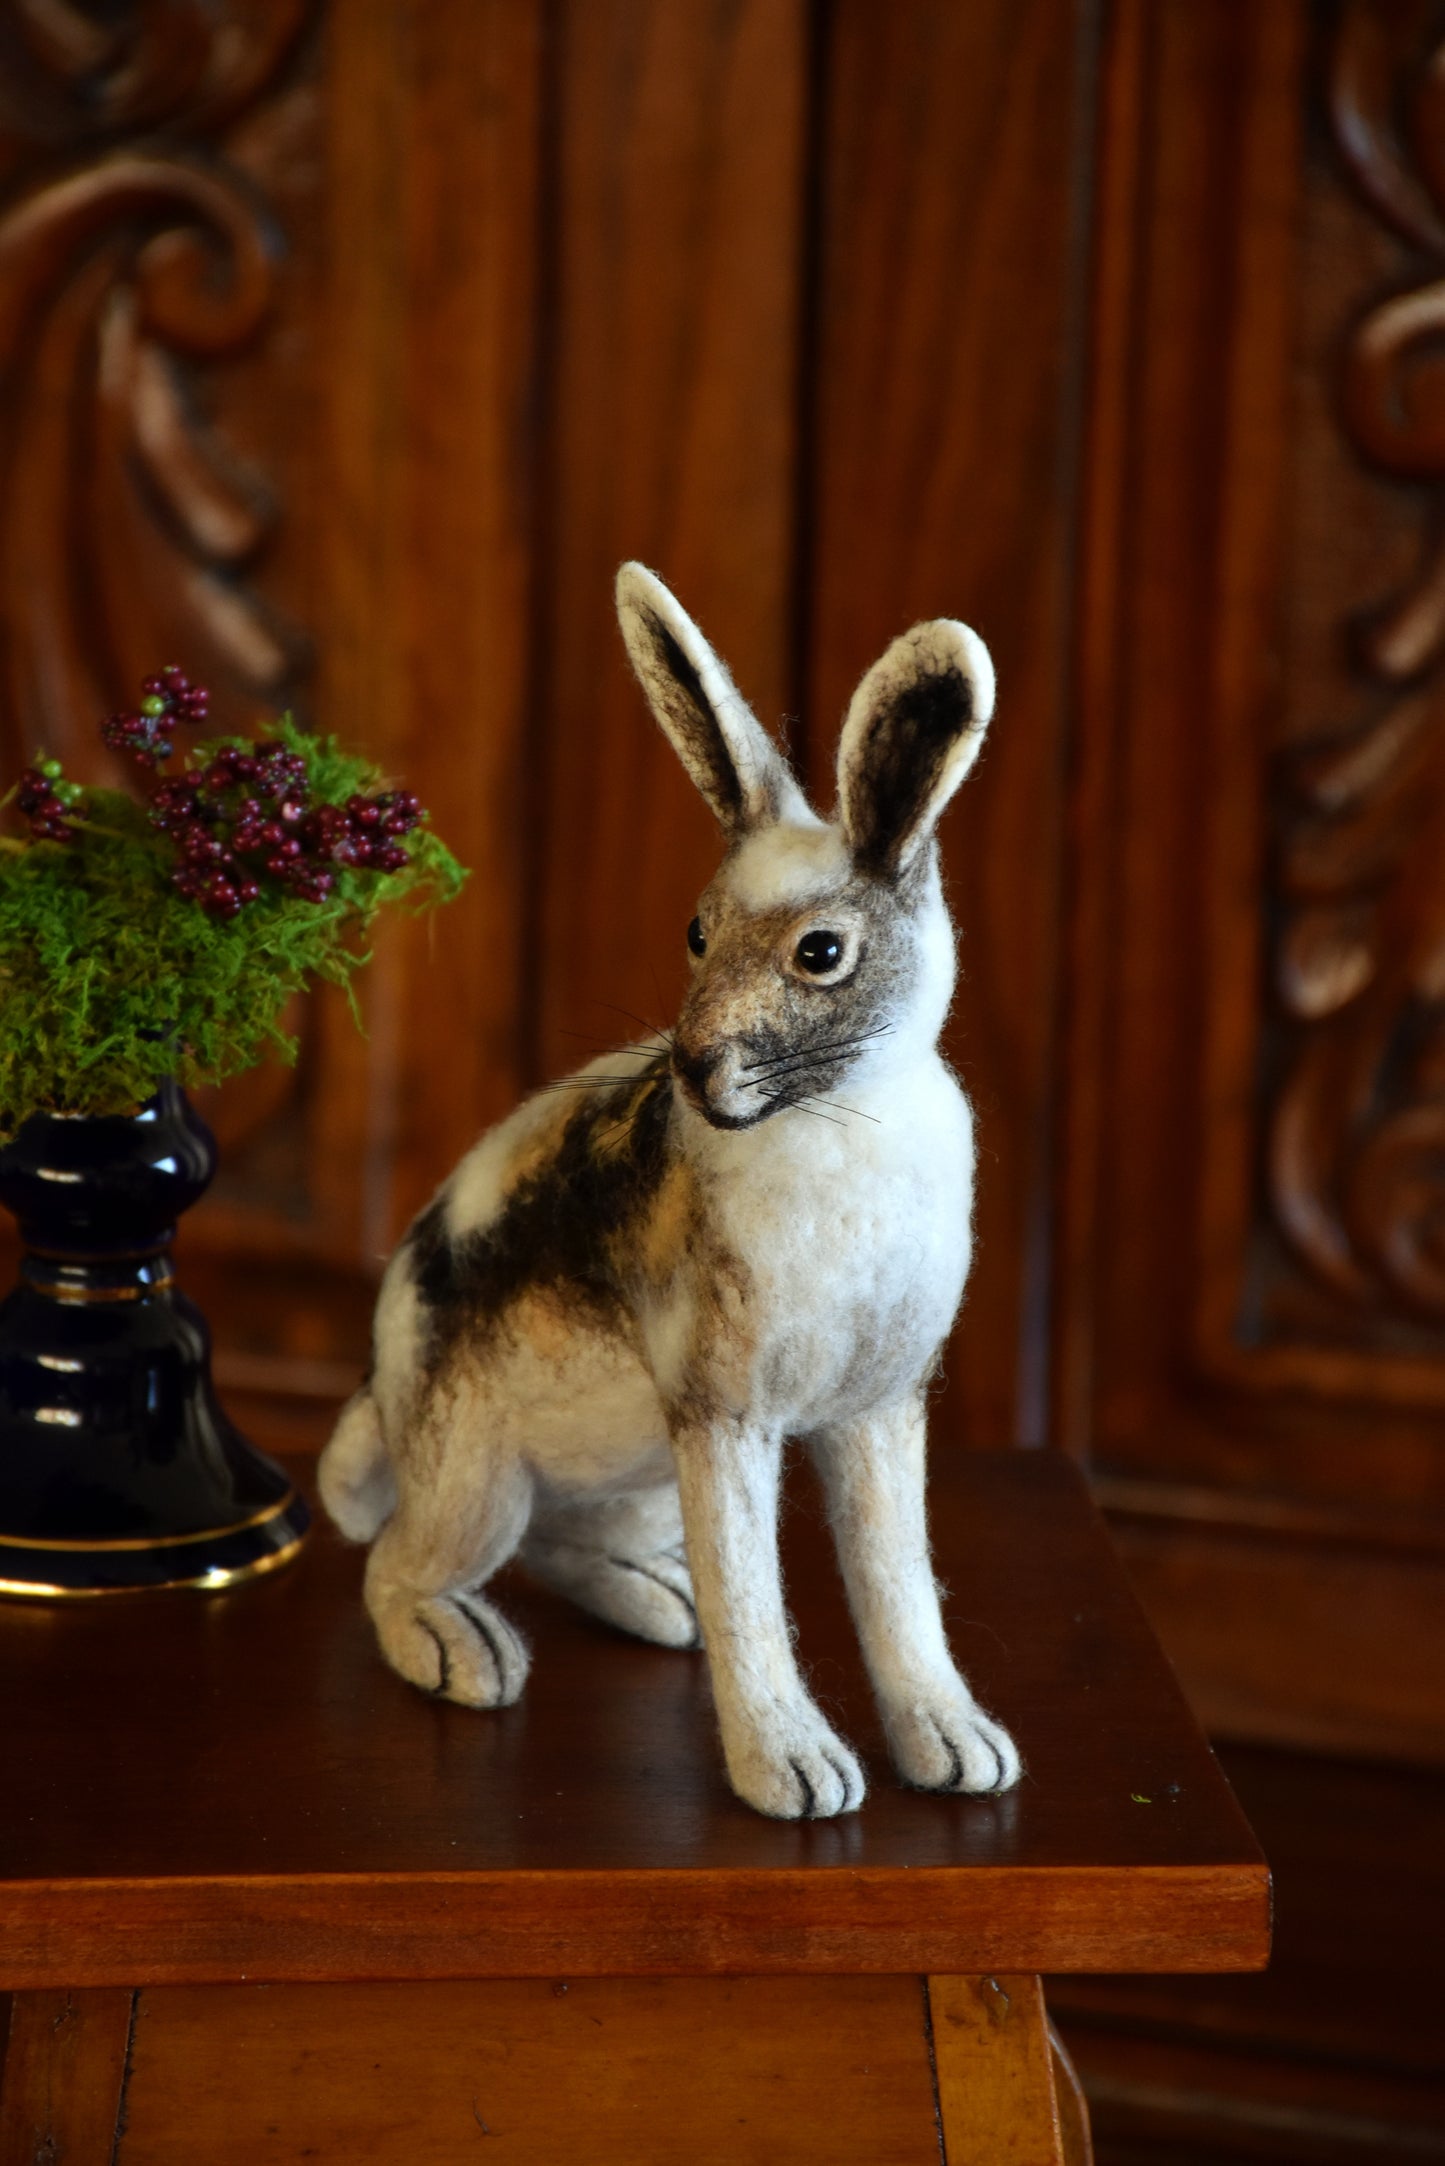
[
  {"x": 464, "y": 1497},
  {"x": 354, "y": 1475},
  {"x": 622, "y": 1558}
]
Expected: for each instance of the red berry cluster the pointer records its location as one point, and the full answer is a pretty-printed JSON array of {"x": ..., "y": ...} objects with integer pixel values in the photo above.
[
  {"x": 146, "y": 732},
  {"x": 48, "y": 803},
  {"x": 249, "y": 815}
]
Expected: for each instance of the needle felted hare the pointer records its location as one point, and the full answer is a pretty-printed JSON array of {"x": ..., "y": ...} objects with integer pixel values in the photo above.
[{"x": 591, "y": 1345}]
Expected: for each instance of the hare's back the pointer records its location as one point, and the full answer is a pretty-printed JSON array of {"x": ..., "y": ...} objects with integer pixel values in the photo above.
[{"x": 533, "y": 1234}]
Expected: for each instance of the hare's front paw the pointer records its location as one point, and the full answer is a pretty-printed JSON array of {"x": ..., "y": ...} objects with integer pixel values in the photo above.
[
  {"x": 947, "y": 1742},
  {"x": 456, "y": 1647},
  {"x": 792, "y": 1767}
]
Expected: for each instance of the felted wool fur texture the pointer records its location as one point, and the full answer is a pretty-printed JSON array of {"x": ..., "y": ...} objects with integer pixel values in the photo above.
[{"x": 592, "y": 1344}]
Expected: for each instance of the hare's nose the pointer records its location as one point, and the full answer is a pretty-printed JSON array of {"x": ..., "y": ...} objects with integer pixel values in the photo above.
[{"x": 694, "y": 1069}]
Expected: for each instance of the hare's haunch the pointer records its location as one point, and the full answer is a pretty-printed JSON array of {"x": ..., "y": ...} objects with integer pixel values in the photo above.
[{"x": 592, "y": 1343}]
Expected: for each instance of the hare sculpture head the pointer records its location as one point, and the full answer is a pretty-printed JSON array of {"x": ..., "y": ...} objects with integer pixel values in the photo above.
[{"x": 592, "y": 1345}]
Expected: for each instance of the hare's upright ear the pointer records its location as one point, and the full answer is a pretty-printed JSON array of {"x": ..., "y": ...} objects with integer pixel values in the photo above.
[
  {"x": 716, "y": 735},
  {"x": 913, "y": 731}
]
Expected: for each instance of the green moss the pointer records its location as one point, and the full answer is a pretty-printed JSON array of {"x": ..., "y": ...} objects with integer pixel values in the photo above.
[{"x": 110, "y": 981}]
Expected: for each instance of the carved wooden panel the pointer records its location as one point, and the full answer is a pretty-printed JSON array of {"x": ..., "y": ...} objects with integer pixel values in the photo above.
[
  {"x": 1356, "y": 1046},
  {"x": 156, "y": 288},
  {"x": 160, "y": 296},
  {"x": 1325, "y": 1209},
  {"x": 1251, "y": 1082},
  {"x": 1247, "y": 1347},
  {"x": 146, "y": 162},
  {"x": 1246, "y": 1351},
  {"x": 267, "y": 323}
]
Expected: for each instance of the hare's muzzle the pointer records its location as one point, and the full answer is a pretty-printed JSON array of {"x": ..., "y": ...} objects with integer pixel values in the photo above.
[
  {"x": 693, "y": 1072},
  {"x": 712, "y": 1084}
]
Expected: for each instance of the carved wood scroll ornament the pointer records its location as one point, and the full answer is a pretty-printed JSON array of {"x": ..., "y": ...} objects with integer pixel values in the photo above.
[
  {"x": 131, "y": 253},
  {"x": 1357, "y": 1136}
]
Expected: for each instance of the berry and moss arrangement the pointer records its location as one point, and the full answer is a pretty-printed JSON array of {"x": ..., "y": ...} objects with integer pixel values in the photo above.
[{"x": 144, "y": 939}]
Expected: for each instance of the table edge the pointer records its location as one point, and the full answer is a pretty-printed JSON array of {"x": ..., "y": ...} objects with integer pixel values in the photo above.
[{"x": 634, "y": 1922}]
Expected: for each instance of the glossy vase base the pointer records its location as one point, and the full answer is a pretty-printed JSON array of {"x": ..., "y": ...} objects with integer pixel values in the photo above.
[
  {"x": 118, "y": 1470},
  {"x": 216, "y": 1557},
  {"x": 119, "y": 1473}
]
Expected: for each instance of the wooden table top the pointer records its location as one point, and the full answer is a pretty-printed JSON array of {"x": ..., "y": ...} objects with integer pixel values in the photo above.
[{"x": 208, "y": 1787}]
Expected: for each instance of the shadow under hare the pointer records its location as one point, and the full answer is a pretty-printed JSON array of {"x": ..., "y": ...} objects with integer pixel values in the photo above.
[{"x": 591, "y": 1345}]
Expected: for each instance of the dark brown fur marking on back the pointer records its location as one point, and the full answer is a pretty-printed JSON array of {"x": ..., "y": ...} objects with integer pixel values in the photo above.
[{"x": 563, "y": 1225}]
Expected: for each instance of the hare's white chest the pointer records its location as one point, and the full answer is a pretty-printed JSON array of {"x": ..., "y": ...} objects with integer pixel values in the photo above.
[{"x": 854, "y": 1240}]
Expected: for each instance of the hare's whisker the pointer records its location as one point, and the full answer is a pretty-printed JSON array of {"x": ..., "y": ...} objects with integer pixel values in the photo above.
[
  {"x": 799, "y": 1105},
  {"x": 810, "y": 1056},
  {"x": 633, "y": 1017},
  {"x": 590, "y": 1082},
  {"x": 857, "y": 1111},
  {"x": 829, "y": 1045},
  {"x": 657, "y": 988},
  {"x": 623, "y": 1052}
]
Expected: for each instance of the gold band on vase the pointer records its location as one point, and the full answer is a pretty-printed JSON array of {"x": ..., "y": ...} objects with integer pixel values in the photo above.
[
  {"x": 213, "y": 1581},
  {"x": 99, "y": 1546}
]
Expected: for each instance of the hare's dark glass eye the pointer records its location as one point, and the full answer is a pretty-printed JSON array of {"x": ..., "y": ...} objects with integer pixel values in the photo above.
[
  {"x": 695, "y": 938},
  {"x": 819, "y": 952}
]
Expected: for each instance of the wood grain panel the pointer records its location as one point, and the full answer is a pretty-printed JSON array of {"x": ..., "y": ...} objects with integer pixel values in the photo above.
[
  {"x": 434, "y": 251},
  {"x": 632, "y": 2071},
  {"x": 1281, "y": 1640},
  {"x": 949, "y": 319},
  {"x": 679, "y": 215},
  {"x": 1150, "y": 678},
  {"x": 64, "y": 2072}
]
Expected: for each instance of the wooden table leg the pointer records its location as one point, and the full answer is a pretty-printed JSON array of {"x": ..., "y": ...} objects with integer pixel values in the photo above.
[
  {"x": 1006, "y": 2093},
  {"x": 1073, "y": 2106},
  {"x": 64, "y": 2076}
]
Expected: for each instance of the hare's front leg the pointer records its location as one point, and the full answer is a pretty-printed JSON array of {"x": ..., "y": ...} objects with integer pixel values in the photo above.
[
  {"x": 939, "y": 1736},
  {"x": 781, "y": 1755}
]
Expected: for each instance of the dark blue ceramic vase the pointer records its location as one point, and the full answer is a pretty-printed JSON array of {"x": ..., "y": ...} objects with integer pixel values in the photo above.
[{"x": 118, "y": 1470}]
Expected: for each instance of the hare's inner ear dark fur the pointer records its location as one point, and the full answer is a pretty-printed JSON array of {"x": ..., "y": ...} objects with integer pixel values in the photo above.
[
  {"x": 675, "y": 687},
  {"x": 913, "y": 730},
  {"x": 714, "y": 732}
]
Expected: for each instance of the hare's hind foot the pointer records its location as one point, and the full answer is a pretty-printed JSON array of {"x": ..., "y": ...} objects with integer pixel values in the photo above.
[
  {"x": 423, "y": 1582},
  {"x": 454, "y": 1646},
  {"x": 946, "y": 1742},
  {"x": 648, "y": 1595},
  {"x": 621, "y": 1557}
]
